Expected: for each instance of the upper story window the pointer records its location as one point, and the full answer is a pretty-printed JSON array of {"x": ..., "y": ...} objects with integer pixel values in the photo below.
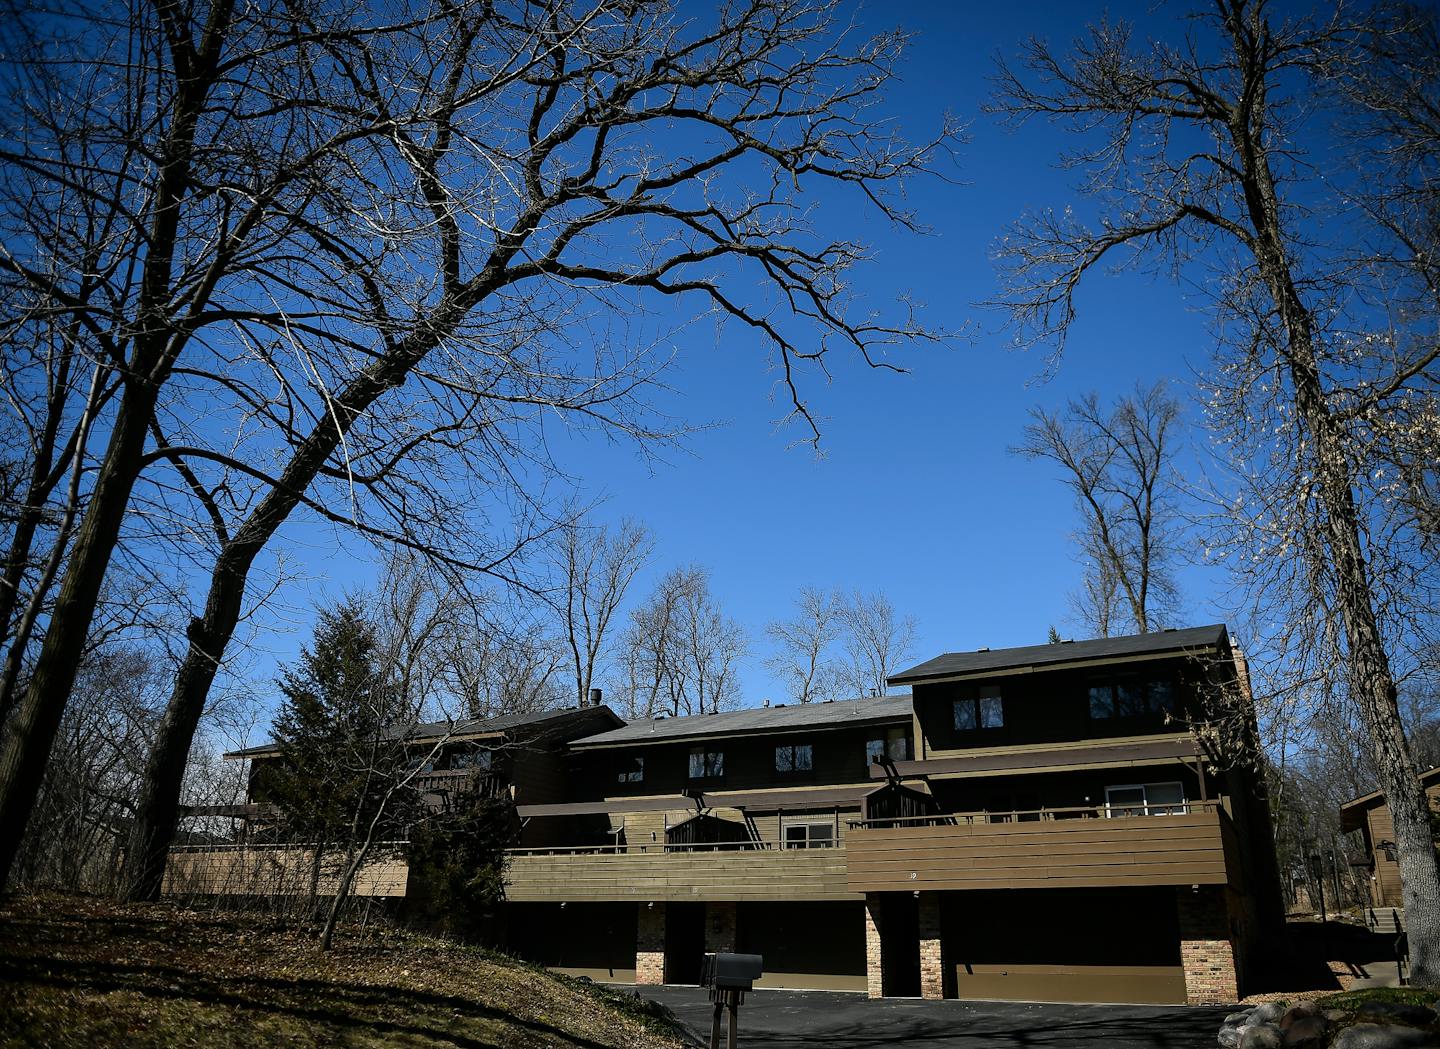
[
  {"x": 1145, "y": 799},
  {"x": 1133, "y": 697},
  {"x": 479, "y": 758},
  {"x": 793, "y": 757},
  {"x": 707, "y": 764},
  {"x": 634, "y": 772},
  {"x": 985, "y": 709},
  {"x": 894, "y": 745}
]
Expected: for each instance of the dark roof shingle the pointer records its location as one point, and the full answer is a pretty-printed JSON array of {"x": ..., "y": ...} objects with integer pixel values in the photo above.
[
  {"x": 786, "y": 718},
  {"x": 952, "y": 664}
]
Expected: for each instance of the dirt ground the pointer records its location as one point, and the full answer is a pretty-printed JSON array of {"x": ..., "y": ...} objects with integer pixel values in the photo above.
[{"x": 87, "y": 972}]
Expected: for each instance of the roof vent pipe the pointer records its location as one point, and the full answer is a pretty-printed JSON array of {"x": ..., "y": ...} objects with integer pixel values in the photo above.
[{"x": 595, "y": 697}]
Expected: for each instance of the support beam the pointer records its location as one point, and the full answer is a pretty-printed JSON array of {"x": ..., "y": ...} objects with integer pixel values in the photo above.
[
  {"x": 650, "y": 944},
  {"x": 932, "y": 964}
]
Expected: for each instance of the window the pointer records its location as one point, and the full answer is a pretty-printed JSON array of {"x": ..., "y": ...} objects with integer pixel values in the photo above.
[
  {"x": 479, "y": 758},
  {"x": 986, "y": 709},
  {"x": 794, "y": 757},
  {"x": 894, "y": 745},
  {"x": 1132, "y": 698},
  {"x": 809, "y": 835},
  {"x": 634, "y": 772},
  {"x": 707, "y": 764},
  {"x": 1145, "y": 799}
]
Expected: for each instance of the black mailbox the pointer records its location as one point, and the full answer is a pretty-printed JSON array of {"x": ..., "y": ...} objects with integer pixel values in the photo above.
[{"x": 737, "y": 972}]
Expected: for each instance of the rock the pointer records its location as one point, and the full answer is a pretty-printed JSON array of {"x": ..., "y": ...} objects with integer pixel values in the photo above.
[
  {"x": 1409, "y": 1014},
  {"x": 1236, "y": 1019},
  {"x": 1229, "y": 1038},
  {"x": 1268, "y": 1013},
  {"x": 1261, "y": 1036},
  {"x": 1298, "y": 1012},
  {"x": 1308, "y": 1032},
  {"x": 1385, "y": 1036}
]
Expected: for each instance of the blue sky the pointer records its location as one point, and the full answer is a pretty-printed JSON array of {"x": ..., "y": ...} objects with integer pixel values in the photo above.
[{"x": 915, "y": 492}]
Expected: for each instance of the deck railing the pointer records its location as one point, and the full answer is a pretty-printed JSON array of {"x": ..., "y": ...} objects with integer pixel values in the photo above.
[
  {"x": 954, "y": 819},
  {"x": 660, "y": 848}
]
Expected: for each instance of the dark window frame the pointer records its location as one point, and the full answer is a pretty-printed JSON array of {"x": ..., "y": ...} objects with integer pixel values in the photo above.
[
  {"x": 792, "y": 753},
  {"x": 712, "y": 764},
  {"x": 985, "y": 713}
]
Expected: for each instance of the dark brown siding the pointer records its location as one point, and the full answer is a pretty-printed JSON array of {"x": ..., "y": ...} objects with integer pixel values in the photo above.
[
  {"x": 838, "y": 757},
  {"x": 1042, "y": 707}
]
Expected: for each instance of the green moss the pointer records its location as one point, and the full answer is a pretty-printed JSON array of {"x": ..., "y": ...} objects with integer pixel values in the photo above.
[{"x": 1350, "y": 1001}]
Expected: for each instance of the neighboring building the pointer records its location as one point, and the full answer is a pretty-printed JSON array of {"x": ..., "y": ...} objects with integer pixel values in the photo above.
[
  {"x": 521, "y": 755},
  {"x": 1031, "y": 823},
  {"x": 1371, "y": 817},
  {"x": 1043, "y": 827}
]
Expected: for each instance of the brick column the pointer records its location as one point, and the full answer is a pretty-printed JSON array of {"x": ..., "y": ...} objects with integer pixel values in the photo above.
[
  {"x": 719, "y": 927},
  {"x": 1205, "y": 948},
  {"x": 932, "y": 966},
  {"x": 874, "y": 959},
  {"x": 650, "y": 944}
]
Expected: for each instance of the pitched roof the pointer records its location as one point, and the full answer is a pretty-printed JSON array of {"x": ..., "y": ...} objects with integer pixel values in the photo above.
[
  {"x": 784, "y": 718},
  {"x": 955, "y": 664},
  {"x": 466, "y": 728}
]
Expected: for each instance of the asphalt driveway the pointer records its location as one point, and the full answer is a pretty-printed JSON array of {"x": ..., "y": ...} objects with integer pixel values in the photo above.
[{"x": 790, "y": 1019}]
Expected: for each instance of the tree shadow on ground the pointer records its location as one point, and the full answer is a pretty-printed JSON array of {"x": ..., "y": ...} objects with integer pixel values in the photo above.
[
  {"x": 338, "y": 1005},
  {"x": 1301, "y": 960}
]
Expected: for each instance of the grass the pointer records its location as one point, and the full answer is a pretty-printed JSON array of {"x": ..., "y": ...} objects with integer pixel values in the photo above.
[
  {"x": 77, "y": 971},
  {"x": 1351, "y": 1001}
]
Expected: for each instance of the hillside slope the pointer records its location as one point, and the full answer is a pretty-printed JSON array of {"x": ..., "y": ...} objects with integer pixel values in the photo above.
[{"x": 88, "y": 972}]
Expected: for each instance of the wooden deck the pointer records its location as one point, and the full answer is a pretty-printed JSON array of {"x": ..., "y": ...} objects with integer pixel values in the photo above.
[
  {"x": 973, "y": 853},
  {"x": 660, "y": 874}
]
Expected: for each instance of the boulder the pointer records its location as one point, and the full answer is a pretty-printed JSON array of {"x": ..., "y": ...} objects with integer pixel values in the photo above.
[
  {"x": 1268, "y": 1013},
  {"x": 1299, "y": 1012},
  {"x": 1385, "y": 1036},
  {"x": 1229, "y": 1038},
  {"x": 1238, "y": 1018},
  {"x": 1306, "y": 1033},
  {"x": 1261, "y": 1036}
]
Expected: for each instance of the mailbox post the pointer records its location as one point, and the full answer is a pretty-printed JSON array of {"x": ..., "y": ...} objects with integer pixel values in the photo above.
[{"x": 729, "y": 976}]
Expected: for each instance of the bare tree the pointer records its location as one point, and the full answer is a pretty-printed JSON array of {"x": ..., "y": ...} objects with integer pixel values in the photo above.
[
  {"x": 1325, "y": 311},
  {"x": 419, "y": 220},
  {"x": 681, "y": 652},
  {"x": 804, "y": 657},
  {"x": 1120, "y": 466},
  {"x": 599, "y": 566},
  {"x": 877, "y": 641}
]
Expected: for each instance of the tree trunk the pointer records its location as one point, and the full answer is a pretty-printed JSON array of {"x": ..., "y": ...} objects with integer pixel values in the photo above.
[{"x": 30, "y": 732}]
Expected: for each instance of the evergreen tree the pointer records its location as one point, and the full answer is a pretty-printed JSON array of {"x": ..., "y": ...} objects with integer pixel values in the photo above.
[{"x": 342, "y": 732}]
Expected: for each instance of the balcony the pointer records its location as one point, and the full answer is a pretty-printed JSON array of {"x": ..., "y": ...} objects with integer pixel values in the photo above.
[
  {"x": 440, "y": 788},
  {"x": 1050, "y": 848},
  {"x": 757, "y": 870}
]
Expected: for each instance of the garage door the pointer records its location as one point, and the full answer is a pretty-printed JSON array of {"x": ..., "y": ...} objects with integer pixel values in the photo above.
[
  {"x": 814, "y": 946},
  {"x": 1058, "y": 945},
  {"x": 583, "y": 939}
]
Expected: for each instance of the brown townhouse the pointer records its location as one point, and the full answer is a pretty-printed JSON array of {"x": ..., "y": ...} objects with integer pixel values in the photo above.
[
  {"x": 1369, "y": 815},
  {"x": 1031, "y": 823}
]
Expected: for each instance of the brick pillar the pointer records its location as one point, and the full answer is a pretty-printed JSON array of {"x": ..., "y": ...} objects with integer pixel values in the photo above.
[
  {"x": 1205, "y": 948},
  {"x": 650, "y": 944},
  {"x": 719, "y": 927},
  {"x": 874, "y": 960},
  {"x": 932, "y": 966}
]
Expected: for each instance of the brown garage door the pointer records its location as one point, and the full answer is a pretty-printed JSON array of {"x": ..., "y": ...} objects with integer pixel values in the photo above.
[
  {"x": 1064, "y": 945},
  {"x": 583, "y": 939},
  {"x": 816, "y": 946}
]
